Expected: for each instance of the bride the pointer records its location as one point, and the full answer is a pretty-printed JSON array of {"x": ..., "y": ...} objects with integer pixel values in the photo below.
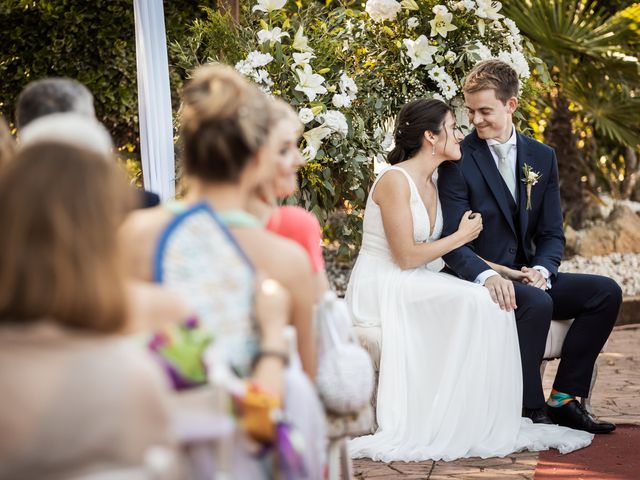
[{"x": 450, "y": 378}]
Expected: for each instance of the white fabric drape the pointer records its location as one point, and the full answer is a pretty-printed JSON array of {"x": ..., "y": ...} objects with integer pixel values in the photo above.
[{"x": 154, "y": 99}]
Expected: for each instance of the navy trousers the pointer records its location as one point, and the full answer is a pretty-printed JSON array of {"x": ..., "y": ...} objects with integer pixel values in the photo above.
[{"x": 593, "y": 301}]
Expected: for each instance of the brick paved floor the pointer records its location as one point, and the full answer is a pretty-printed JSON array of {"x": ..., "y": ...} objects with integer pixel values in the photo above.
[{"x": 616, "y": 398}]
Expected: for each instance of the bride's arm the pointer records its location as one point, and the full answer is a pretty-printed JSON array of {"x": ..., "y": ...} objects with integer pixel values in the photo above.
[{"x": 392, "y": 194}]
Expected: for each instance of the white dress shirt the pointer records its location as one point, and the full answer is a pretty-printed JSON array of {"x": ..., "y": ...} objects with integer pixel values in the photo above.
[{"x": 512, "y": 157}]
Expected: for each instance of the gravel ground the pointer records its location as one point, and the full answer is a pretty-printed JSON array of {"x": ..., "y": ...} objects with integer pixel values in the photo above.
[{"x": 622, "y": 267}]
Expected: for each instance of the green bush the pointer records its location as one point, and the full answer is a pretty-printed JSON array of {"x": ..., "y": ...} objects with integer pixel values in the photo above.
[{"x": 91, "y": 41}]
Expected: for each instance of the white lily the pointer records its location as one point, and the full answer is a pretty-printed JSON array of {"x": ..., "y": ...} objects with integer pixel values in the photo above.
[
  {"x": 419, "y": 51},
  {"x": 315, "y": 136},
  {"x": 271, "y": 36},
  {"x": 300, "y": 41},
  {"x": 409, "y": 5},
  {"x": 488, "y": 9},
  {"x": 269, "y": 5},
  {"x": 302, "y": 59},
  {"x": 310, "y": 83},
  {"x": 441, "y": 23}
]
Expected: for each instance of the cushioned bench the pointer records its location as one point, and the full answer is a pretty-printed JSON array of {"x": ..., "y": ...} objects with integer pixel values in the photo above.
[{"x": 371, "y": 339}]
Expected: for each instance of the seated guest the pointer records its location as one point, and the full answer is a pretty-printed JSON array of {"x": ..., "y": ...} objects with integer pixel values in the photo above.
[
  {"x": 290, "y": 221},
  {"x": 78, "y": 399},
  {"x": 229, "y": 150},
  {"x": 61, "y": 95}
]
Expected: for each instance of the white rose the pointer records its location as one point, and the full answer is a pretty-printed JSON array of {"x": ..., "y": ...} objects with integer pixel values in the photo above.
[
  {"x": 305, "y": 115},
  {"x": 380, "y": 10},
  {"x": 341, "y": 100},
  {"x": 450, "y": 56},
  {"x": 348, "y": 86},
  {"x": 336, "y": 122},
  {"x": 440, "y": 9}
]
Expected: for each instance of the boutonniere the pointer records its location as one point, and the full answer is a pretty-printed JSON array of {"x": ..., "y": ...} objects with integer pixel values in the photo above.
[{"x": 530, "y": 179}]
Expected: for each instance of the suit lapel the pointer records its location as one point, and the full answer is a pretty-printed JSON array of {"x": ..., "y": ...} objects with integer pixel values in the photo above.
[
  {"x": 487, "y": 166},
  {"x": 524, "y": 156}
]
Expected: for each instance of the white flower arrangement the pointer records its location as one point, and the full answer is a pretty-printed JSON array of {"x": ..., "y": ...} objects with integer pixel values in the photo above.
[{"x": 348, "y": 72}]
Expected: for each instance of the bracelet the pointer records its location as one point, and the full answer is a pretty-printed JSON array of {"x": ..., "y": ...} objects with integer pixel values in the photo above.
[{"x": 284, "y": 356}]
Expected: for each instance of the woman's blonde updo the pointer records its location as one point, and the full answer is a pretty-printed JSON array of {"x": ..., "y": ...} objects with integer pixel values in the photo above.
[{"x": 225, "y": 121}]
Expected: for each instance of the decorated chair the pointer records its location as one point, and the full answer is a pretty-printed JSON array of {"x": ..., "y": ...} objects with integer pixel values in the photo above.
[{"x": 371, "y": 339}]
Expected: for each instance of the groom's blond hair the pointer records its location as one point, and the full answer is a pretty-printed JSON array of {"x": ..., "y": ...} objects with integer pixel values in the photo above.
[{"x": 493, "y": 75}]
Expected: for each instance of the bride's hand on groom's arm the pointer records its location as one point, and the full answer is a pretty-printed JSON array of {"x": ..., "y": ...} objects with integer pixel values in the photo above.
[{"x": 502, "y": 292}]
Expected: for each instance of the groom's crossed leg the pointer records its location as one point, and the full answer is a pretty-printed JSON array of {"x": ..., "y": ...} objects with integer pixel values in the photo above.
[{"x": 593, "y": 302}]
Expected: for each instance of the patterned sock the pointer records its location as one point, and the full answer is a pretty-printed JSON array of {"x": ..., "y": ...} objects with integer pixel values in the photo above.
[{"x": 559, "y": 399}]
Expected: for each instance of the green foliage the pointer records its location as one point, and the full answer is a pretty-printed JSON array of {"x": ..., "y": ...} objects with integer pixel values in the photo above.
[
  {"x": 345, "y": 41},
  {"x": 91, "y": 41},
  {"x": 591, "y": 48}
]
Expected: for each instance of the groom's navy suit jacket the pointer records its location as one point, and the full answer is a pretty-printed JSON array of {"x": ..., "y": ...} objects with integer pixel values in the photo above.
[{"x": 511, "y": 235}]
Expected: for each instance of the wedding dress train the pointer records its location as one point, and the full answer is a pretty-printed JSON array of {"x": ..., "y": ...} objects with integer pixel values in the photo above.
[{"x": 450, "y": 381}]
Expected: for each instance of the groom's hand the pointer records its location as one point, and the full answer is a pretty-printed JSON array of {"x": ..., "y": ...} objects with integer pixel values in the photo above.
[
  {"x": 534, "y": 278},
  {"x": 502, "y": 292}
]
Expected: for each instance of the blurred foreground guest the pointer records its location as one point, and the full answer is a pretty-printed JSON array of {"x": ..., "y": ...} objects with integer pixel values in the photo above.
[
  {"x": 77, "y": 399},
  {"x": 7, "y": 143},
  {"x": 290, "y": 221},
  {"x": 228, "y": 152},
  {"x": 63, "y": 95}
]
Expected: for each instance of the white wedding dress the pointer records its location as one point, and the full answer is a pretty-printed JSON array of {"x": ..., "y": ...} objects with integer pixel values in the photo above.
[{"x": 450, "y": 381}]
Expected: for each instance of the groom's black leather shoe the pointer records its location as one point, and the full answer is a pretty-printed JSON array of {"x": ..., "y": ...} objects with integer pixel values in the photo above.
[
  {"x": 537, "y": 415},
  {"x": 574, "y": 415}
]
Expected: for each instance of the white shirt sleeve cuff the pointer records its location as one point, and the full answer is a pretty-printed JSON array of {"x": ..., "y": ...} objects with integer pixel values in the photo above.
[
  {"x": 483, "y": 276},
  {"x": 545, "y": 273}
]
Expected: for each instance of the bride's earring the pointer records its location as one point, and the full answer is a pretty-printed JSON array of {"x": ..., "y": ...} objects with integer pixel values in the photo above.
[{"x": 433, "y": 152}]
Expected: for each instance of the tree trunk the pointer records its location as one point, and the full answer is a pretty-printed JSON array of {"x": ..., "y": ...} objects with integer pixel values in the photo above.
[
  {"x": 571, "y": 163},
  {"x": 632, "y": 171},
  {"x": 232, "y": 7}
]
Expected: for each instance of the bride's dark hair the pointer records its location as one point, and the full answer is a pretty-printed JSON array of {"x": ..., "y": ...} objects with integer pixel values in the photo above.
[{"x": 415, "y": 118}]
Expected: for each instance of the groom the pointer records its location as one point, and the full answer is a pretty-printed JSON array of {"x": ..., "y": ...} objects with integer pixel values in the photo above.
[{"x": 523, "y": 231}]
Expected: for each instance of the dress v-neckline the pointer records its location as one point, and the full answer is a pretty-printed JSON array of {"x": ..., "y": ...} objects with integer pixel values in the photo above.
[{"x": 414, "y": 186}]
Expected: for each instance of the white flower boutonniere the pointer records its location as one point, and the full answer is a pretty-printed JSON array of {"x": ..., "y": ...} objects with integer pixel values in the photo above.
[{"x": 530, "y": 178}]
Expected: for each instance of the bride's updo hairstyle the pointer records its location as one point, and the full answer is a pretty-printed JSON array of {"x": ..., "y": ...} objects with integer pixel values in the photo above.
[
  {"x": 415, "y": 118},
  {"x": 225, "y": 120}
]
